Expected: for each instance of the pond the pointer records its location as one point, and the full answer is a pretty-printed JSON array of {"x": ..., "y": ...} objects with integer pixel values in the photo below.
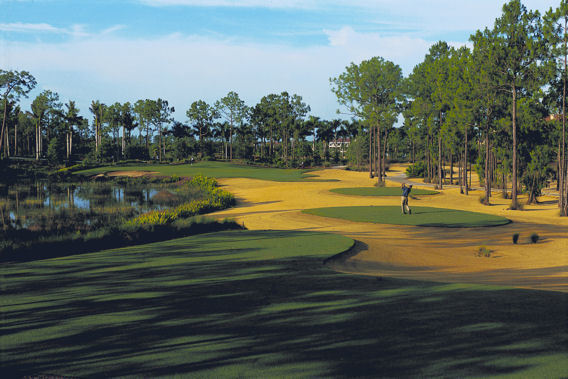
[{"x": 48, "y": 206}]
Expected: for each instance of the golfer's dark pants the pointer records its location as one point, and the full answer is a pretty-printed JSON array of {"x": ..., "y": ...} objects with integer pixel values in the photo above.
[{"x": 404, "y": 204}]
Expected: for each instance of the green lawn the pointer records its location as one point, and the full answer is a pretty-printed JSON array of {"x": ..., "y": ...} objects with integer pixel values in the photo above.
[
  {"x": 380, "y": 191},
  {"x": 421, "y": 216},
  {"x": 214, "y": 170},
  {"x": 260, "y": 303}
]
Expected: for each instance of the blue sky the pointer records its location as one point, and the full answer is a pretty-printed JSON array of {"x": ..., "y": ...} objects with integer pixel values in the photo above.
[{"x": 186, "y": 50}]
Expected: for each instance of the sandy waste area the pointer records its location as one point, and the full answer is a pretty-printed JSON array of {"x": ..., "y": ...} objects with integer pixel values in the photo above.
[{"x": 411, "y": 252}]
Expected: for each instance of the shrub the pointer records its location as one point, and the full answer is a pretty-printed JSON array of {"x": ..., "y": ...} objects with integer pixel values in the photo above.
[
  {"x": 483, "y": 251},
  {"x": 216, "y": 199},
  {"x": 417, "y": 169},
  {"x": 516, "y": 207},
  {"x": 534, "y": 238},
  {"x": 515, "y": 238}
]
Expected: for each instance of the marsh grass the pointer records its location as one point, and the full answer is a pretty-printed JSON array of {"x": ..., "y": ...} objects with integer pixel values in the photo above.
[{"x": 64, "y": 231}]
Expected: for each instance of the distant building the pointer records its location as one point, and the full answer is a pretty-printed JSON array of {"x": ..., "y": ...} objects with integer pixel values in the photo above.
[
  {"x": 341, "y": 143},
  {"x": 553, "y": 117}
]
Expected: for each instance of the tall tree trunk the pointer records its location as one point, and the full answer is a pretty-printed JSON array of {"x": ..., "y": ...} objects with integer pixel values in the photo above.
[
  {"x": 451, "y": 168},
  {"x": 460, "y": 169},
  {"x": 487, "y": 178},
  {"x": 4, "y": 123},
  {"x": 160, "y": 142},
  {"x": 123, "y": 140},
  {"x": 465, "y": 163},
  {"x": 384, "y": 163},
  {"x": 231, "y": 141},
  {"x": 16, "y": 139},
  {"x": 470, "y": 171},
  {"x": 504, "y": 185},
  {"x": 371, "y": 129},
  {"x": 559, "y": 174},
  {"x": 378, "y": 161},
  {"x": 148, "y": 136},
  {"x": 428, "y": 157},
  {"x": 564, "y": 190},
  {"x": 440, "y": 184},
  {"x": 514, "y": 180},
  {"x": 271, "y": 143},
  {"x": 36, "y": 143}
]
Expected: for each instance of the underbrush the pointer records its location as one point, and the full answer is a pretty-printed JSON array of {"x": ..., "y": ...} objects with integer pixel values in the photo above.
[{"x": 180, "y": 221}]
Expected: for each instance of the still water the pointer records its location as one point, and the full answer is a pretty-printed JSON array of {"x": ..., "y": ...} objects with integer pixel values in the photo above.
[{"x": 44, "y": 205}]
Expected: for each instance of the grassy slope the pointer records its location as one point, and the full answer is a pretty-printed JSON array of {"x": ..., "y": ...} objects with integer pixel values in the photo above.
[
  {"x": 421, "y": 216},
  {"x": 380, "y": 191},
  {"x": 212, "y": 169},
  {"x": 252, "y": 303}
]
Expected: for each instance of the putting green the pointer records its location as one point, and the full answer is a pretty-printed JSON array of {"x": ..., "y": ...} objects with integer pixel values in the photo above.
[
  {"x": 421, "y": 216},
  {"x": 380, "y": 191}
]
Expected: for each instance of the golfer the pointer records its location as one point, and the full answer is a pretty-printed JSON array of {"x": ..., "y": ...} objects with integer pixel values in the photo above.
[{"x": 404, "y": 198}]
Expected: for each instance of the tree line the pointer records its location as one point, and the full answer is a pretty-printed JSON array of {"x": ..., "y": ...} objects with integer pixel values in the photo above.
[
  {"x": 496, "y": 109},
  {"x": 275, "y": 130}
]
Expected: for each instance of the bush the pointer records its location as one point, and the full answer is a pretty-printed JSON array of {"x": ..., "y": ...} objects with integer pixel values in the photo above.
[
  {"x": 516, "y": 207},
  {"x": 515, "y": 238},
  {"x": 483, "y": 251},
  {"x": 534, "y": 238},
  {"x": 417, "y": 169},
  {"x": 216, "y": 199}
]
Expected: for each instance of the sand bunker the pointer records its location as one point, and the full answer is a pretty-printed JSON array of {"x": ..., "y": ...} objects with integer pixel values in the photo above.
[{"x": 433, "y": 254}]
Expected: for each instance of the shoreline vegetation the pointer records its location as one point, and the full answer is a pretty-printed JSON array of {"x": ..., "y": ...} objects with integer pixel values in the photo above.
[{"x": 152, "y": 226}]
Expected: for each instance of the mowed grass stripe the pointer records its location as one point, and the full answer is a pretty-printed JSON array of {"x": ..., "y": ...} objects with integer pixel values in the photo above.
[
  {"x": 421, "y": 216},
  {"x": 214, "y": 170},
  {"x": 380, "y": 191}
]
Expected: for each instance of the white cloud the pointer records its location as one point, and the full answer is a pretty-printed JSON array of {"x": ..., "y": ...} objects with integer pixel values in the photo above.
[
  {"x": 420, "y": 16},
  {"x": 76, "y": 30},
  {"x": 20, "y": 27},
  {"x": 301, "y": 4},
  {"x": 183, "y": 69}
]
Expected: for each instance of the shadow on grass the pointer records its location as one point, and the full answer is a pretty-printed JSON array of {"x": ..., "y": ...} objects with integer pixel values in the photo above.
[{"x": 194, "y": 307}]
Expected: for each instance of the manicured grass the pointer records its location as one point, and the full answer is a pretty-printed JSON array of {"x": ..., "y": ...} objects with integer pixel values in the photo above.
[
  {"x": 214, "y": 170},
  {"x": 261, "y": 304},
  {"x": 421, "y": 216},
  {"x": 380, "y": 191}
]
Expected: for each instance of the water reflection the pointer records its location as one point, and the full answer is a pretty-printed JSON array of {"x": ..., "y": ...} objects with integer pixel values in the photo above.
[{"x": 44, "y": 205}]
